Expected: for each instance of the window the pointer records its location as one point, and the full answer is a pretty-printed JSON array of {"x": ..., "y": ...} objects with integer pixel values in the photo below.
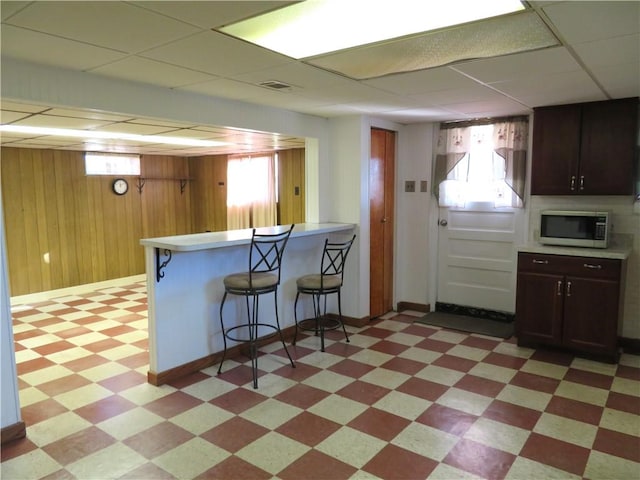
[{"x": 111, "y": 164}]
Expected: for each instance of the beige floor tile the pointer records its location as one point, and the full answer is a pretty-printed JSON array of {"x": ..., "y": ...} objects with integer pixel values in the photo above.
[
  {"x": 40, "y": 340},
  {"x": 321, "y": 359},
  {"x": 498, "y": 435},
  {"x": 35, "y": 464},
  {"x": 106, "y": 370},
  {"x": 447, "y": 472},
  {"x": 328, "y": 381},
  {"x": 52, "y": 429},
  {"x": 545, "y": 369},
  {"x": 191, "y": 458},
  {"x": 363, "y": 341},
  {"x": 514, "y": 350},
  {"x": 471, "y": 353},
  {"x": 582, "y": 393},
  {"x": 201, "y": 418},
  {"x": 392, "y": 325},
  {"x": 111, "y": 462},
  {"x": 593, "y": 366},
  {"x": 621, "y": 422},
  {"x": 69, "y": 354},
  {"x": 130, "y": 423},
  {"x": 385, "y": 378},
  {"x": 272, "y": 452},
  {"x": 123, "y": 351},
  {"x": 464, "y": 401},
  {"x": 207, "y": 389},
  {"x": 403, "y": 405},
  {"x": 404, "y": 339},
  {"x": 525, "y": 469},
  {"x": 145, "y": 393},
  {"x": 524, "y": 397},
  {"x": 566, "y": 429},
  {"x": 83, "y": 396},
  {"x": 420, "y": 355},
  {"x": 339, "y": 409},
  {"x": 426, "y": 441},
  {"x": 444, "y": 376},
  {"x": 271, "y": 413},
  {"x": 371, "y": 357},
  {"x": 448, "y": 336},
  {"x": 629, "y": 360},
  {"x": 132, "y": 337},
  {"x": 87, "y": 338},
  {"x": 351, "y": 446},
  {"x": 26, "y": 355},
  {"x": 30, "y": 395},
  {"x": 46, "y": 374},
  {"x": 104, "y": 324},
  {"x": 602, "y": 465},
  {"x": 493, "y": 372},
  {"x": 626, "y": 386}
]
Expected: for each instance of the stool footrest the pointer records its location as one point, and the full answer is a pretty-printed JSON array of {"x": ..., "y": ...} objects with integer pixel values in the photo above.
[
  {"x": 229, "y": 331},
  {"x": 322, "y": 323}
]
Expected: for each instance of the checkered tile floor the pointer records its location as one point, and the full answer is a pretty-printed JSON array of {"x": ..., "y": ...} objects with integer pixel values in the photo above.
[{"x": 401, "y": 401}]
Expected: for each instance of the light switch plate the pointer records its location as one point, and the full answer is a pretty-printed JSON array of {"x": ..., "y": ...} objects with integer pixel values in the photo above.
[
  {"x": 423, "y": 185},
  {"x": 410, "y": 186}
]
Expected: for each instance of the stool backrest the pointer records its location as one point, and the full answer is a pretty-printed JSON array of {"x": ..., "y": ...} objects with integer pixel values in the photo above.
[
  {"x": 334, "y": 257},
  {"x": 265, "y": 255}
]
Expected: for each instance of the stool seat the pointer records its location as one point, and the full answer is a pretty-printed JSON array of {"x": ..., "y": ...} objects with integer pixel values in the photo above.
[
  {"x": 316, "y": 281},
  {"x": 248, "y": 280}
]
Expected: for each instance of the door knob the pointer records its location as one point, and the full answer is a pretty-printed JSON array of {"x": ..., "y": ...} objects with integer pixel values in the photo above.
[{"x": 443, "y": 222}]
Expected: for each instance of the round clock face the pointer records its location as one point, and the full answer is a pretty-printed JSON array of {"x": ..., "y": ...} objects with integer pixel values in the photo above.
[{"x": 120, "y": 186}]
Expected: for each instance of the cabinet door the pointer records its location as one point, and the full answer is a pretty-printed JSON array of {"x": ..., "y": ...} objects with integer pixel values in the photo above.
[
  {"x": 609, "y": 132},
  {"x": 591, "y": 314},
  {"x": 556, "y": 148},
  {"x": 539, "y": 308}
]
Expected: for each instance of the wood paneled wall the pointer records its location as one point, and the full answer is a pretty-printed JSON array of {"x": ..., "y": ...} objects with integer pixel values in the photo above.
[
  {"x": 291, "y": 186},
  {"x": 65, "y": 228}
]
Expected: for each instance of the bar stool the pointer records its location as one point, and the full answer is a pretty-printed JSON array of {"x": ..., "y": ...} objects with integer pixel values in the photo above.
[
  {"x": 328, "y": 281},
  {"x": 265, "y": 260}
]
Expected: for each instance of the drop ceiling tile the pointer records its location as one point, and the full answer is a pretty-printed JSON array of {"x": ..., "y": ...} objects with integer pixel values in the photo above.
[
  {"x": 61, "y": 122},
  {"x": 115, "y": 25},
  {"x": 217, "y": 54},
  {"x": 473, "y": 93},
  {"x": 7, "y": 9},
  {"x": 7, "y": 116},
  {"x": 136, "y": 128},
  {"x": 585, "y": 21},
  {"x": 51, "y": 50},
  {"x": 419, "y": 115},
  {"x": 211, "y": 14},
  {"x": 431, "y": 80},
  {"x": 144, "y": 70},
  {"x": 49, "y": 141},
  {"x": 22, "y": 107},
  {"x": 225, "y": 88},
  {"x": 522, "y": 65},
  {"x": 88, "y": 114},
  {"x": 479, "y": 108},
  {"x": 620, "y": 82},
  {"x": 299, "y": 75},
  {"x": 159, "y": 122},
  {"x": 610, "y": 51}
]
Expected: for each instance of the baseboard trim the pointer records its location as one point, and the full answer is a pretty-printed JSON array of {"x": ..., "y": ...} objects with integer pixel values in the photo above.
[
  {"x": 475, "y": 312},
  {"x": 13, "y": 432},
  {"x": 166, "y": 376},
  {"x": 416, "y": 307}
]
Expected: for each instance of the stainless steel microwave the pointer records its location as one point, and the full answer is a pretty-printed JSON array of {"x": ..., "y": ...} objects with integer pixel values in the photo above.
[{"x": 575, "y": 228}]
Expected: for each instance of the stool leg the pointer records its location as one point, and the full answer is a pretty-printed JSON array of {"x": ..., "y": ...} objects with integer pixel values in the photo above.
[
  {"x": 224, "y": 336},
  {"x": 275, "y": 293},
  {"x": 319, "y": 323},
  {"x": 253, "y": 335},
  {"x": 295, "y": 317},
  {"x": 340, "y": 316}
]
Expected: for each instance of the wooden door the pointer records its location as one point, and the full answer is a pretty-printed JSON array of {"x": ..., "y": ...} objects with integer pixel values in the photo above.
[{"x": 381, "y": 209}]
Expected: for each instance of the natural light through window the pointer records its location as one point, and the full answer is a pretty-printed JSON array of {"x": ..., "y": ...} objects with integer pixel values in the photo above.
[
  {"x": 251, "y": 187},
  {"x": 111, "y": 164}
]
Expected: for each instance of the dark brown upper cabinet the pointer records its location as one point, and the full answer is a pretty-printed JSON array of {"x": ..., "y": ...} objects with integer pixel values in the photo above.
[{"x": 585, "y": 149}]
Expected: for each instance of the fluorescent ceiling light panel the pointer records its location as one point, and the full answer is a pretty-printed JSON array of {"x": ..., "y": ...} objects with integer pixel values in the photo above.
[
  {"x": 315, "y": 27},
  {"x": 96, "y": 134}
]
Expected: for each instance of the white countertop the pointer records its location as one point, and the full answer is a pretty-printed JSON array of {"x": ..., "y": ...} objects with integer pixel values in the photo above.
[
  {"x": 618, "y": 252},
  {"x": 205, "y": 241}
]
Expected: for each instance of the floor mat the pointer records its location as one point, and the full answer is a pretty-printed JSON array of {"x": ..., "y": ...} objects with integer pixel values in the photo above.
[{"x": 465, "y": 323}]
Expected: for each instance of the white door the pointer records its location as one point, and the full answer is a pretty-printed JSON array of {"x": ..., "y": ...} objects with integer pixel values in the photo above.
[{"x": 477, "y": 256}]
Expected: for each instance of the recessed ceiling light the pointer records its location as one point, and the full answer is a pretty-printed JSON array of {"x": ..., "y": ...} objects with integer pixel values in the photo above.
[
  {"x": 315, "y": 27},
  {"x": 95, "y": 134}
]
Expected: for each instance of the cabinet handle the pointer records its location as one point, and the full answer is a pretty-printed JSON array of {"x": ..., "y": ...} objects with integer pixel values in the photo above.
[
  {"x": 590, "y": 265},
  {"x": 573, "y": 182},
  {"x": 559, "y": 289},
  {"x": 543, "y": 262},
  {"x": 581, "y": 182},
  {"x": 568, "y": 289}
]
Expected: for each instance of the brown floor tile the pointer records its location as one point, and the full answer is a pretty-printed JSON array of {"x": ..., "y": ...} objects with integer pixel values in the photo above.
[
  {"x": 482, "y": 386},
  {"x": 575, "y": 410},
  {"x": 419, "y": 330},
  {"x": 618, "y": 444},
  {"x": 422, "y": 388},
  {"x": 27, "y": 334},
  {"x": 535, "y": 382},
  {"x": 511, "y": 414},
  {"x": 234, "y": 434},
  {"x": 119, "y": 330},
  {"x": 55, "y": 347},
  {"x": 447, "y": 419},
  {"x": 158, "y": 439},
  {"x": 435, "y": 345},
  {"x": 240, "y": 375},
  {"x": 299, "y": 374},
  {"x": 376, "y": 332},
  {"x": 388, "y": 347},
  {"x": 308, "y": 428},
  {"x": 148, "y": 471},
  {"x": 105, "y": 408},
  {"x": 238, "y": 400},
  {"x": 343, "y": 349},
  {"x": 454, "y": 363},
  {"x": 351, "y": 368},
  {"x": 623, "y": 402},
  {"x": 315, "y": 465},
  {"x": 102, "y": 345},
  {"x": 39, "y": 411},
  {"x": 479, "y": 459},
  {"x": 78, "y": 445},
  {"x": 506, "y": 361},
  {"x": 29, "y": 366},
  {"x": 187, "y": 380},
  {"x": 556, "y": 453},
  {"x": 234, "y": 468},
  {"x": 173, "y": 404},
  {"x": 403, "y": 365},
  {"x": 16, "y": 448},
  {"x": 73, "y": 332},
  {"x": 397, "y": 463},
  {"x": 302, "y": 396},
  {"x": 363, "y": 392},
  {"x": 591, "y": 379},
  {"x": 63, "y": 385},
  {"x": 479, "y": 342},
  {"x": 135, "y": 361},
  {"x": 85, "y": 363},
  {"x": 625, "y": 371},
  {"x": 380, "y": 424},
  {"x": 553, "y": 356}
]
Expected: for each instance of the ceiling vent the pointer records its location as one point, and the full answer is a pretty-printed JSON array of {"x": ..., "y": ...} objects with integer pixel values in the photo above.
[{"x": 275, "y": 85}]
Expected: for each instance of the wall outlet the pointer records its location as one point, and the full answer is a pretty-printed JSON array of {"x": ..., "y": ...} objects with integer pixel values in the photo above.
[
  {"x": 423, "y": 185},
  {"x": 410, "y": 186}
]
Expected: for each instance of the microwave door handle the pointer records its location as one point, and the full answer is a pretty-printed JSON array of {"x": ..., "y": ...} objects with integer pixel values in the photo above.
[
  {"x": 581, "y": 182},
  {"x": 573, "y": 182}
]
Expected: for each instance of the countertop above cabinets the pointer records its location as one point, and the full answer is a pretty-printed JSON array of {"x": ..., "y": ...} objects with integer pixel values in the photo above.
[{"x": 585, "y": 148}]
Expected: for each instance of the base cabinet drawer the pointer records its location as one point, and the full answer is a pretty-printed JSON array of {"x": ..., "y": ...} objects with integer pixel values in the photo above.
[{"x": 570, "y": 302}]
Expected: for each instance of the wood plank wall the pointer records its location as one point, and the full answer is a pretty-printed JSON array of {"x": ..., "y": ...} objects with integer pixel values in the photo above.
[{"x": 65, "y": 228}]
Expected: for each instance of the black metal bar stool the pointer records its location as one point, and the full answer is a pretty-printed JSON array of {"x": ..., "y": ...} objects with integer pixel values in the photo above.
[
  {"x": 318, "y": 285},
  {"x": 265, "y": 260}
]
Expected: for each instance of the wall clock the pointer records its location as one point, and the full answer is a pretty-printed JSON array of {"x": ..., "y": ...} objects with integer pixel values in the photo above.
[{"x": 120, "y": 186}]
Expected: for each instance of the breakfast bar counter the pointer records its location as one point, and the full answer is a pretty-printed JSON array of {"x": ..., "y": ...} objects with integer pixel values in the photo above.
[{"x": 184, "y": 289}]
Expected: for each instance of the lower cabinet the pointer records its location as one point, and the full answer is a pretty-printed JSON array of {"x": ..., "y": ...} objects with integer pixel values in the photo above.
[{"x": 570, "y": 302}]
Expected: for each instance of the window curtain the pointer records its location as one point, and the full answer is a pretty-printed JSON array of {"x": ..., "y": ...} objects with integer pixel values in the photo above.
[
  {"x": 510, "y": 141},
  {"x": 453, "y": 145},
  {"x": 251, "y": 192}
]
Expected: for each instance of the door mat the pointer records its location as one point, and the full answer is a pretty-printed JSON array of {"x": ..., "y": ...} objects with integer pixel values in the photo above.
[{"x": 483, "y": 326}]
